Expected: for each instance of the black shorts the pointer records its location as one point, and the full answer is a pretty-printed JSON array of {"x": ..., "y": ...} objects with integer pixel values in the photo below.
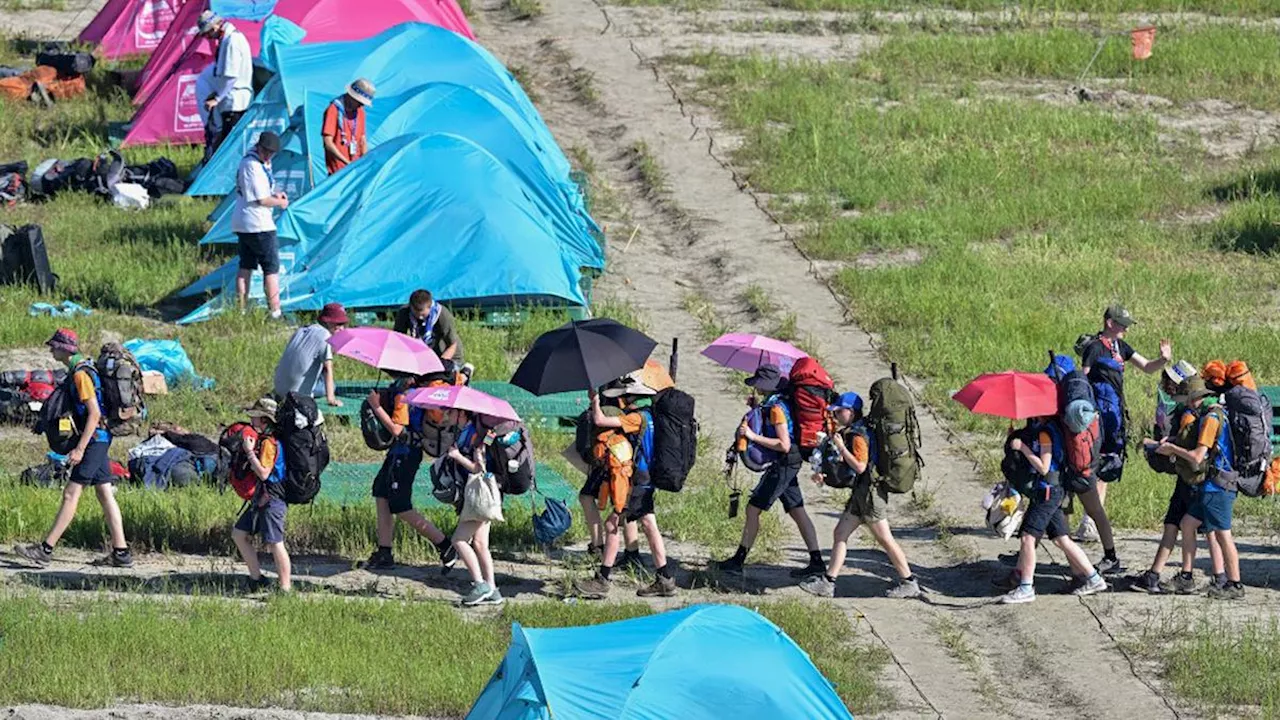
[
  {"x": 639, "y": 502},
  {"x": 260, "y": 250},
  {"x": 95, "y": 468},
  {"x": 394, "y": 481},
  {"x": 1179, "y": 503},
  {"x": 1044, "y": 517},
  {"x": 595, "y": 478},
  {"x": 781, "y": 481},
  {"x": 229, "y": 120}
]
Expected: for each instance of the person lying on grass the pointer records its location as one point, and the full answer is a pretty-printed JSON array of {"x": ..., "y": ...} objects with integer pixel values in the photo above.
[
  {"x": 266, "y": 510},
  {"x": 90, "y": 466}
]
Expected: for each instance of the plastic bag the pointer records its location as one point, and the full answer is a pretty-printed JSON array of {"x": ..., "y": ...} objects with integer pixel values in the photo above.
[
  {"x": 130, "y": 196},
  {"x": 168, "y": 358}
]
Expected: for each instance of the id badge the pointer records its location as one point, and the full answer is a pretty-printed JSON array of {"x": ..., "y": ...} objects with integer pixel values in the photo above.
[{"x": 64, "y": 426}]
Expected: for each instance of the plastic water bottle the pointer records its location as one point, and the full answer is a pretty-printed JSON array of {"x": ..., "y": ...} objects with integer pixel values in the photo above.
[
  {"x": 513, "y": 466},
  {"x": 815, "y": 458}
]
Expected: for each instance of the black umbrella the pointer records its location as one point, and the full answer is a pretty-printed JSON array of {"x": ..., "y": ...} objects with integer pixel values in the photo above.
[{"x": 582, "y": 355}]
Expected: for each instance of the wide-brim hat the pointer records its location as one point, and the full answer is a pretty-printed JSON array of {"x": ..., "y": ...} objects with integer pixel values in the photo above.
[
  {"x": 362, "y": 91},
  {"x": 264, "y": 408},
  {"x": 65, "y": 340},
  {"x": 269, "y": 141},
  {"x": 208, "y": 20},
  {"x": 1179, "y": 371},
  {"x": 767, "y": 378},
  {"x": 1192, "y": 389},
  {"x": 333, "y": 314}
]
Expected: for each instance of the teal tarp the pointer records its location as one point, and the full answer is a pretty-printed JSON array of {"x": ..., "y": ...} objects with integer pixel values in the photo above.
[
  {"x": 404, "y": 57},
  {"x": 705, "y": 662},
  {"x": 420, "y": 211}
]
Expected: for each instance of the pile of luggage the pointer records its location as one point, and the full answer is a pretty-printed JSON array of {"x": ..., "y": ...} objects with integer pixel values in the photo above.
[{"x": 58, "y": 75}]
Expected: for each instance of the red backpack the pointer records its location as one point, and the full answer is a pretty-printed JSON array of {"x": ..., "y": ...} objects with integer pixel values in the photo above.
[
  {"x": 1083, "y": 454},
  {"x": 239, "y": 475},
  {"x": 811, "y": 389}
]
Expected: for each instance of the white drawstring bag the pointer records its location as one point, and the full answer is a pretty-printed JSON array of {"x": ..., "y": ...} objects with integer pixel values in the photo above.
[{"x": 481, "y": 499}]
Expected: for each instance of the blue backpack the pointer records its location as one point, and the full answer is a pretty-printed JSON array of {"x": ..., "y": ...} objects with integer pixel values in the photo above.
[{"x": 754, "y": 457}]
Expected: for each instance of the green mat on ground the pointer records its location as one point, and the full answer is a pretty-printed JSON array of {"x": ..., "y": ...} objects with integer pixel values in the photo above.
[
  {"x": 351, "y": 483},
  {"x": 552, "y": 411}
]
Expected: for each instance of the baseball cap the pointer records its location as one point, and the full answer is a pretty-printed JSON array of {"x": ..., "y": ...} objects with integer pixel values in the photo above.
[
  {"x": 847, "y": 401},
  {"x": 1119, "y": 315},
  {"x": 269, "y": 141}
]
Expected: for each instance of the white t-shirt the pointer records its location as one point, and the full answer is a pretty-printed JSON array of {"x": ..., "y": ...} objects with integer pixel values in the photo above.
[
  {"x": 253, "y": 184},
  {"x": 233, "y": 71}
]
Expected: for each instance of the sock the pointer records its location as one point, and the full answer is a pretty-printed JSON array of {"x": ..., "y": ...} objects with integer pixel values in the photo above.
[
  {"x": 605, "y": 571},
  {"x": 909, "y": 579},
  {"x": 830, "y": 578},
  {"x": 441, "y": 546},
  {"x": 740, "y": 556},
  {"x": 664, "y": 571},
  {"x": 1029, "y": 586},
  {"x": 47, "y": 548},
  {"x": 386, "y": 549},
  {"x": 1220, "y": 579},
  {"x": 121, "y": 552},
  {"x": 815, "y": 557},
  {"x": 1185, "y": 574},
  {"x": 1236, "y": 584},
  {"x": 1109, "y": 554},
  {"x": 1094, "y": 575}
]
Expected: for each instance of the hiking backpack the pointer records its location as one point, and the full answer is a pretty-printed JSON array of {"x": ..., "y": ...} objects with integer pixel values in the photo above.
[
  {"x": 57, "y": 420},
  {"x": 675, "y": 439},
  {"x": 836, "y": 473},
  {"x": 583, "y": 437},
  {"x": 300, "y": 428},
  {"x": 892, "y": 421},
  {"x": 123, "y": 406},
  {"x": 754, "y": 457},
  {"x": 511, "y": 446},
  {"x": 377, "y": 437},
  {"x": 1249, "y": 417},
  {"x": 1188, "y": 437},
  {"x": 240, "y": 475},
  {"x": 811, "y": 389},
  {"x": 438, "y": 434},
  {"x": 1014, "y": 466},
  {"x": 1082, "y": 456},
  {"x": 1111, "y": 411}
]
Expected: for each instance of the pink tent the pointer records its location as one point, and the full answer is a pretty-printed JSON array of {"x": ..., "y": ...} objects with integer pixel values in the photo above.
[
  {"x": 130, "y": 27},
  {"x": 324, "y": 21}
]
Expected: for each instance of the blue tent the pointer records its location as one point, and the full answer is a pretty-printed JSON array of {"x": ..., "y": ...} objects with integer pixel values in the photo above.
[
  {"x": 435, "y": 211},
  {"x": 706, "y": 662},
  {"x": 452, "y": 109},
  {"x": 397, "y": 60}
]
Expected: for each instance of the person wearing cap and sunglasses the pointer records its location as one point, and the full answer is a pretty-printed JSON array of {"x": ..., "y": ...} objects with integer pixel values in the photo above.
[
  {"x": 1102, "y": 359},
  {"x": 306, "y": 365},
  {"x": 1203, "y": 454},
  {"x": 88, "y": 460},
  {"x": 232, "y": 72},
  {"x": 343, "y": 126},
  {"x": 254, "y": 224},
  {"x": 868, "y": 504}
]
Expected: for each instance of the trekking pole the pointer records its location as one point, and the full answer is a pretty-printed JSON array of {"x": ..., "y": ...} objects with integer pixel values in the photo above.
[{"x": 673, "y": 365}]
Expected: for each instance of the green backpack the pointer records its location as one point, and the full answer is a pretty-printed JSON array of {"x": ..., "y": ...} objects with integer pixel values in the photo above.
[{"x": 892, "y": 420}]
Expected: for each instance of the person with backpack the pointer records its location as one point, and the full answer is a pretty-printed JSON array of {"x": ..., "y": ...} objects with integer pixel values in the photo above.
[
  {"x": 626, "y": 447},
  {"x": 1040, "y": 446},
  {"x": 1102, "y": 359},
  {"x": 88, "y": 459},
  {"x": 306, "y": 365},
  {"x": 265, "y": 512},
  {"x": 471, "y": 538},
  {"x": 393, "y": 485},
  {"x": 780, "y": 481},
  {"x": 342, "y": 130},
  {"x": 588, "y": 497},
  {"x": 1203, "y": 453},
  {"x": 868, "y": 502}
]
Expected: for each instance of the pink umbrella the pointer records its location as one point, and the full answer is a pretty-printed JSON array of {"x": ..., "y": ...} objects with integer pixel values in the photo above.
[
  {"x": 461, "y": 397},
  {"x": 746, "y": 352},
  {"x": 386, "y": 350}
]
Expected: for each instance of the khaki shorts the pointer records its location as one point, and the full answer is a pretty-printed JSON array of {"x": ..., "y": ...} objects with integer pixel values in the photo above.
[{"x": 869, "y": 502}]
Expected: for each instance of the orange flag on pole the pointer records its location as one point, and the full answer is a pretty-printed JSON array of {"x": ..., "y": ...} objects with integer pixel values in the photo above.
[{"x": 1143, "y": 39}]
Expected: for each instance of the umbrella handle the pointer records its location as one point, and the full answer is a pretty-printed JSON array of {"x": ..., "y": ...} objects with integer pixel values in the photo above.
[
  {"x": 673, "y": 365},
  {"x": 893, "y": 370}
]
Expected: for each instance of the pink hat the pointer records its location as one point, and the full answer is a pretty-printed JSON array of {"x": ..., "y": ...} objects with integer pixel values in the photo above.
[
  {"x": 333, "y": 314},
  {"x": 65, "y": 340}
]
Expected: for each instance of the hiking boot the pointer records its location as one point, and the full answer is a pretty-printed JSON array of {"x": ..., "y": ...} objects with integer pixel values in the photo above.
[
  {"x": 595, "y": 588},
  {"x": 1149, "y": 583},
  {"x": 1019, "y": 595},
  {"x": 819, "y": 586},
  {"x": 1229, "y": 591},
  {"x": 1010, "y": 559},
  {"x": 116, "y": 560},
  {"x": 34, "y": 553},
  {"x": 448, "y": 558},
  {"x": 493, "y": 598},
  {"x": 905, "y": 589},
  {"x": 813, "y": 568},
  {"x": 731, "y": 566},
  {"x": 380, "y": 560},
  {"x": 478, "y": 593},
  {"x": 1087, "y": 532},
  {"x": 1181, "y": 584},
  {"x": 1090, "y": 586},
  {"x": 660, "y": 587},
  {"x": 1109, "y": 566},
  {"x": 632, "y": 562},
  {"x": 1008, "y": 581}
]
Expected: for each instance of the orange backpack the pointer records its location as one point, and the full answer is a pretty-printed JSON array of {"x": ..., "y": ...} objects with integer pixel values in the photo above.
[{"x": 614, "y": 456}]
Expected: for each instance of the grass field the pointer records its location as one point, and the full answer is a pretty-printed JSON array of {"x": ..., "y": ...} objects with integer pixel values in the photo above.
[
  {"x": 325, "y": 653},
  {"x": 1028, "y": 218}
]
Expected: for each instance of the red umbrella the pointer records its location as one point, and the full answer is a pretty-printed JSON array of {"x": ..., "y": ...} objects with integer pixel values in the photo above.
[{"x": 1013, "y": 395}]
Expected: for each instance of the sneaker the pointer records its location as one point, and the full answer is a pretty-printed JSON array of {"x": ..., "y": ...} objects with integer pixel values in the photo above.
[
  {"x": 493, "y": 598},
  {"x": 595, "y": 588},
  {"x": 34, "y": 553},
  {"x": 478, "y": 593},
  {"x": 1091, "y": 585},
  {"x": 1087, "y": 532},
  {"x": 1019, "y": 595},
  {"x": 448, "y": 558},
  {"x": 1180, "y": 585},
  {"x": 905, "y": 589},
  {"x": 1149, "y": 583},
  {"x": 660, "y": 587},
  {"x": 380, "y": 560},
  {"x": 1008, "y": 581},
  {"x": 728, "y": 567},
  {"x": 118, "y": 560},
  {"x": 1230, "y": 591},
  {"x": 813, "y": 568},
  {"x": 819, "y": 586},
  {"x": 1109, "y": 566},
  {"x": 1010, "y": 559}
]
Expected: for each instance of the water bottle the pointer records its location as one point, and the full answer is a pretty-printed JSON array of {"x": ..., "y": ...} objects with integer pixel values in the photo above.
[
  {"x": 513, "y": 466},
  {"x": 815, "y": 458}
]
